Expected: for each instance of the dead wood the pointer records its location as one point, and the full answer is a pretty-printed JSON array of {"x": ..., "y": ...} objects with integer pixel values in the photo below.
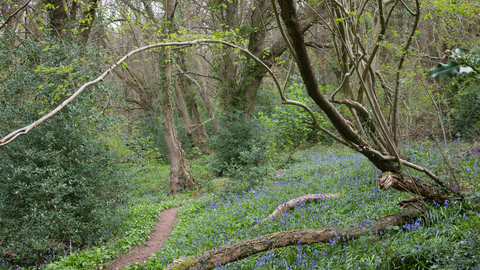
[
  {"x": 392, "y": 180},
  {"x": 283, "y": 208},
  {"x": 234, "y": 252}
]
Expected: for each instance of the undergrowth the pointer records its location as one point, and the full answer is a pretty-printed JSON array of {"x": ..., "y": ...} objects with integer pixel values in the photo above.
[{"x": 447, "y": 237}]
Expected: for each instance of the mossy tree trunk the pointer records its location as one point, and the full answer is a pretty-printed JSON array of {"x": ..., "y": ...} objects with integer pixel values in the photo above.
[{"x": 180, "y": 178}]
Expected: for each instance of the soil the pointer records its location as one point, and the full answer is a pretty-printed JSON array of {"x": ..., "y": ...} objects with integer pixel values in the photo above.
[{"x": 140, "y": 254}]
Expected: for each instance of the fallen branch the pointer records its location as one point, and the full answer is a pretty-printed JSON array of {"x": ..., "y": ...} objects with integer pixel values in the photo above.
[
  {"x": 392, "y": 180},
  {"x": 283, "y": 208},
  {"x": 216, "y": 257}
]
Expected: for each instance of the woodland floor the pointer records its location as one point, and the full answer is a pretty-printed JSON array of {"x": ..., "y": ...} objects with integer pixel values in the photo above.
[{"x": 140, "y": 254}]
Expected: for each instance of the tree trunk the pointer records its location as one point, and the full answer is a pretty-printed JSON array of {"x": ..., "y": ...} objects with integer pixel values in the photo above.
[
  {"x": 198, "y": 126},
  {"x": 57, "y": 17},
  {"x": 180, "y": 178},
  {"x": 201, "y": 136},
  {"x": 183, "y": 111},
  {"x": 204, "y": 93},
  {"x": 234, "y": 252},
  {"x": 89, "y": 14}
]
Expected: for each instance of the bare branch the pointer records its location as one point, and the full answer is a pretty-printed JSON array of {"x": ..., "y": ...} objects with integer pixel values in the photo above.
[
  {"x": 202, "y": 75},
  {"x": 25, "y": 130},
  {"x": 14, "y": 13}
]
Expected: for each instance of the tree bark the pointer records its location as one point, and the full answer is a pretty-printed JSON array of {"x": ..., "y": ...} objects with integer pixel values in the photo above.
[
  {"x": 246, "y": 248},
  {"x": 180, "y": 178},
  {"x": 184, "y": 112},
  {"x": 57, "y": 17},
  {"x": 198, "y": 126},
  {"x": 204, "y": 93},
  {"x": 89, "y": 14},
  {"x": 283, "y": 208}
]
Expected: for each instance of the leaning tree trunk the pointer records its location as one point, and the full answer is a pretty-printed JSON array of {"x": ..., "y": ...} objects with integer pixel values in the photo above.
[
  {"x": 180, "y": 178},
  {"x": 184, "y": 112},
  {"x": 389, "y": 162},
  {"x": 198, "y": 126}
]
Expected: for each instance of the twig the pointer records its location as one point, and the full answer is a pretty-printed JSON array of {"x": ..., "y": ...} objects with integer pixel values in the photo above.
[{"x": 13, "y": 14}]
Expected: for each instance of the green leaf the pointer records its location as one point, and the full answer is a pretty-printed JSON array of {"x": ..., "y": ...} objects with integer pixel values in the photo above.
[
  {"x": 450, "y": 69},
  {"x": 458, "y": 53},
  {"x": 391, "y": 227}
]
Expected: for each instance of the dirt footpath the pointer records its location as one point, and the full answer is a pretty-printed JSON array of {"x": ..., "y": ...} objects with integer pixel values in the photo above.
[{"x": 140, "y": 254}]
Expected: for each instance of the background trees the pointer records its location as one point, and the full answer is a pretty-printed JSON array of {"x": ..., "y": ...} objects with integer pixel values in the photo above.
[
  {"x": 361, "y": 68},
  {"x": 359, "y": 39}
]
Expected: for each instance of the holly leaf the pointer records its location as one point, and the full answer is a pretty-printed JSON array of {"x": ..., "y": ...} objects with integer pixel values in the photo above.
[
  {"x": 465, "y": 70},
  {"x": 450, "y": 69},
  {"x": 457, "y": 53}
]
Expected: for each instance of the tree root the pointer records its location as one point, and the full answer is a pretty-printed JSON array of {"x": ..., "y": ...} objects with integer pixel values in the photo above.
[
  {"x": 234, "y": 252},
  {"x": 283, "y": 208}
]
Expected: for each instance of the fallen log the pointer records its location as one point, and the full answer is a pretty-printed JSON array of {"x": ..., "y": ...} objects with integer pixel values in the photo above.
[
  {"x": 283, "y": 208},
  {"x": 245, "y": 248}
]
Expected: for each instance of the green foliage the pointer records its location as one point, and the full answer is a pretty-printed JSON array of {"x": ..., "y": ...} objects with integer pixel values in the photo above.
[
  {"x": 464, "y": 111},
  {"x": 286, "y": 128},
  {"x": 59, "y": 185},
  {"x": 465, "y": 63},
  {"x": 464, "y": 92},
  {"x": 240, "y": 149}
]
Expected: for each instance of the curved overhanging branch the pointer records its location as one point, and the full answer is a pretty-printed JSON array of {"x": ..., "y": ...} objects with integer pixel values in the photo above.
[
  {"x": 14, "y": 13},
  {"x": 25, "y": 130},
  {"x": 314, "y": 122}
]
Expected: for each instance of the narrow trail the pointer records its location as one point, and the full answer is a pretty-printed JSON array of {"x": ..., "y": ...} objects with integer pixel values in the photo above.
[{"x": 140, "y": 254}]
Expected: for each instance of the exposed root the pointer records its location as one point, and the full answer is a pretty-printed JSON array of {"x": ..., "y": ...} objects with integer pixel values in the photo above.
[
  {"x": 234, "y": 252},
  {"x": 283, "y": 208}
]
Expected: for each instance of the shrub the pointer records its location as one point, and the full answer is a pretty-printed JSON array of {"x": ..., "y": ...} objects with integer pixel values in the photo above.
[
  {"x": 286, "y": 127},
  {"x": 59, "y": 185},
  {"x": 465, "y": 108},
  {"x": 59, "y": 189},
  {"x": 240, "y": 150}
]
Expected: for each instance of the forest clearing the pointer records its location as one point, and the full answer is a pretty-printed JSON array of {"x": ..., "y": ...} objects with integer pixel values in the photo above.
[{"x": 230, "y": 134}]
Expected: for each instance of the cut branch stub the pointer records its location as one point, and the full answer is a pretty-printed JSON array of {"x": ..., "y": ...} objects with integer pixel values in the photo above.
[
  {"x": 230, "y": 253},
  {"x": 392, "y": 180},
  {"x": 283, "y": 208}
]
